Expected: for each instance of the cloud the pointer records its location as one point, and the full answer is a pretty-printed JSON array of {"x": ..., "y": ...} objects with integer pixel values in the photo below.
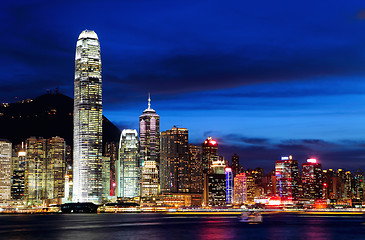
[{"x": 346, "y": 154}]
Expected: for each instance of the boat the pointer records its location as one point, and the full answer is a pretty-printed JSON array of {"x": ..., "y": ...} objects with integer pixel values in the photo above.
[
  {"x": 86, "y": 207},
  {"x": 251, "y": 217}
]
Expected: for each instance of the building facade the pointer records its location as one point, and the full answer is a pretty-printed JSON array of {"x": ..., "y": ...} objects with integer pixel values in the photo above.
[
  {"x": 87, "y": 166},
  {"x": 236, "y": 168},
  {"x": 229, "y": 185},
  {"x": 312, "y": 182},
  {"x": 18, "y": 176},
  {"x": 287, "y": 178},
  {"x": 35, "y": 173},
  {"x": 196, "y": 171},
  {"x": 149, "y": 150},
  {"x": 55, "y": 169},
  {"x": 128, "y": 167},
  {"x": 210, "y": 153},
  {"x": 5, "y": 170},
  {"x": 111, "y": 150},
  {"x": 240, "y": 189},
  {"x": 44, "y": 170},
  {"x": 174, "y": 159}
]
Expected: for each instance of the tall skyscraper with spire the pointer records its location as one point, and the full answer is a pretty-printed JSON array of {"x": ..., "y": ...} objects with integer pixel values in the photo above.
[
  {"x": 149, "y": 150},
  {"x": 87, "y": 172}
]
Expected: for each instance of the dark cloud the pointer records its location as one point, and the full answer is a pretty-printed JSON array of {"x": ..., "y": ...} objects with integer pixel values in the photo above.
[
  {"x": 245, "y": 140},
  {"x": 345, "y": 154},
  {"x": 148, "y": 54}
]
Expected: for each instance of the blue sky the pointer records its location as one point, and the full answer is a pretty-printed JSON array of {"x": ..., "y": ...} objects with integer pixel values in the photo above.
[{"x": 264, "y": 78}]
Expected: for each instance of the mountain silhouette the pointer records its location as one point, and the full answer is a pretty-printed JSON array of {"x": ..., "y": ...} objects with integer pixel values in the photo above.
[{"x": 46, "y": 116}]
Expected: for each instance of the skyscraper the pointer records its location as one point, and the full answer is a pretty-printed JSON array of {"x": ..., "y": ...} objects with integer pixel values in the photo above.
[
  {"x": 214, "y": 178},
  {"x": 127, "y": 167},
  {"x": 312, "y": 182},
  {"x": 87, "y": 172},
  {"x": 5, "y": 171},
  {"x": 111, "y": 150},
  {"x": 55, "y": 169},
  {"x": 210, "y": 153},
  {"x": 149, "y": 150},
  {"x": 229, "y": 185},
  {"x": 174, "y": 168},
  {"x": 240, "y": 189},
  {"x": 236, "y": 168},
  {"x": 196, "y": 173},
  {"x": 18, "y": 177},
  {"x": 35, "y": 174},
  {"x": 45, "y": 170},
  {"x": 287, "y": 177}
]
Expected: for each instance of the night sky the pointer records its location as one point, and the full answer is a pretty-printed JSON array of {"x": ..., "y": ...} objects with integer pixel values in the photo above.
[{"x": 265, "y": 78}]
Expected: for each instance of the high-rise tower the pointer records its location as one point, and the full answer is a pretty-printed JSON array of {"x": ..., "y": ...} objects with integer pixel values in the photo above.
[
  {"x": 5, "y": 171},
  {"x": 210, "y": 153},
  {"x": 174, "y": 169},
  {"x": 149, "y": 150},
  {"x": 312, "y": 179},
  {"x": 87, "y": 173},
  {"x": 287, "y": 178},
  {"x": 127, "y": 174}
]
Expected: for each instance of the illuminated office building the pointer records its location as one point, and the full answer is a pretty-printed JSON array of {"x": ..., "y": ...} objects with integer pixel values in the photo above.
[
  {"x": 18, "y": 177},
  {"x": 35, "y": 173},
  {"x": 215, "y": 190},
  {"x": 240, "y": 189},
  {"x": 149, "y": 150},
  {"x": 55, "y": 169},
  {"x": 5, "y": 170},
  {"x": 250, "y": 192},
  {"x": 287, "y": 177},
  {"x": 45, "y": 170},
  {"x": 174, "y": 158},
  {"x": 348, "y": 185},
  {"x": 312, "y": 179},
  {"x": 87, "y": 172},
  {"x": 214, "y": 179},
  {"x": 111, "y": 150},
  {"x": 149, "y": 179},
  {"x": 210, "y": 153},
  {"x": 229, "y": 185},
  {"x": 127, "y": 167},
  {"x": 236, "y": 168},
  {"x": 196, "y": 173},
  {"x": 359, "y": 181},
  {"x": 218, "y": 166},
  {"x": 105, "y": 173}
]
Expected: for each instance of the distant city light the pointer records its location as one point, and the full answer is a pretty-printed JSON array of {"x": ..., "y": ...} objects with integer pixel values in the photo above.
[
  {"x": 228, "y": 169},
  {"x": 284, "y": 158},
  {"x": 312, "y": 160}
]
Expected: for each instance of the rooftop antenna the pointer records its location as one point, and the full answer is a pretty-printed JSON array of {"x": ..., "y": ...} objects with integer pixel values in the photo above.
[{"x": 149, "y": 101}]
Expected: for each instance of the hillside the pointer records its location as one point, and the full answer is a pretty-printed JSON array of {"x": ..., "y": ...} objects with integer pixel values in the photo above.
[{"x": 46, "y": 116}]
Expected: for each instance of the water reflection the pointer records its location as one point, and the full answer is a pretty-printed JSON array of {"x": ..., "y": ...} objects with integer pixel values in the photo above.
[{"x": 157, "y": 226}]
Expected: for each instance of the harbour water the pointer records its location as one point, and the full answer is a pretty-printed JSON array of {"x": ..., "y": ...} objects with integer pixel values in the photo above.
[{"x": 165, "y": 226}]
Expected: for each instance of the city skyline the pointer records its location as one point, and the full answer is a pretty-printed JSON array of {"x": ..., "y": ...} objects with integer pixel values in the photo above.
[{"x": 278, "y": 81}]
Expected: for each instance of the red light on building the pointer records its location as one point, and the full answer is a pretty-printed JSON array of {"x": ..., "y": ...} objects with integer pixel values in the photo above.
[
  {"x": 325, "y": 184},
  {"x": 213, "y": 142},
  {"x": 312, "y": 160}
]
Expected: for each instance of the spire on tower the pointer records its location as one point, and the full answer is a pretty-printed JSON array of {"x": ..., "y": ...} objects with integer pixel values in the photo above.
[{"x": 149, "y": 101}]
